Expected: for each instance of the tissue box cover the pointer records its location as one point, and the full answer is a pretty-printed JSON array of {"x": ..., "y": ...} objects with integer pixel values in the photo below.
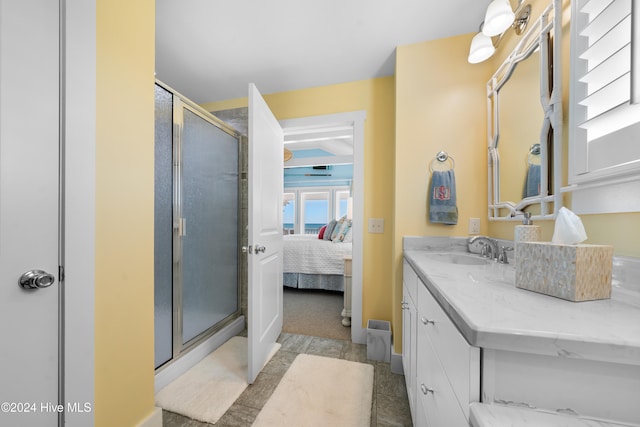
[{"x": 571, "y": 272}]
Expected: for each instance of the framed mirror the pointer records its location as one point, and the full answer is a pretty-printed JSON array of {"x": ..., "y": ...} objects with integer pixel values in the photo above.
[{"x": 524, "y": 103}]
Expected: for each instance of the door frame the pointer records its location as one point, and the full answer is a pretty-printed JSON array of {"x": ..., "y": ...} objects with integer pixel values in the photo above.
[
  {"x": 356, "y": 120},
  {"x": 78, "y": 179}
]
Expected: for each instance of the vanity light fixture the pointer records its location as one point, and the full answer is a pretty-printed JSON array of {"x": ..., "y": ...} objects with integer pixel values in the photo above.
[
  {"x": 498, "y": 19},
  {"x": 481, "y": 48}
]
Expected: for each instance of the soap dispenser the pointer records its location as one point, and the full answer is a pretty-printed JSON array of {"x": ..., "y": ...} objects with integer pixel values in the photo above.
[{"x": 527, "y": 232}]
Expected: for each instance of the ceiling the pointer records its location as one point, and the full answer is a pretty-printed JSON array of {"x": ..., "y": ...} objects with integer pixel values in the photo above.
[
  {"x": 327, "y": 146},
  {"x": 309, "y": 145},
  {"x": 209, "y": 50}
]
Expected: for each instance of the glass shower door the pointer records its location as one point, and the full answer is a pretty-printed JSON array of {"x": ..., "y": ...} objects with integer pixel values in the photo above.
[
  {"x": 208, "y": 224},
  {"x": 196, "y": 225},
  {"x": 163, "y": 228}
]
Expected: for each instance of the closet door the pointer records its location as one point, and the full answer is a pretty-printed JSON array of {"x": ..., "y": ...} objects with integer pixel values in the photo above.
[
  {"x": 30, "y": 289},
  {"x": 207, "y": 223}
]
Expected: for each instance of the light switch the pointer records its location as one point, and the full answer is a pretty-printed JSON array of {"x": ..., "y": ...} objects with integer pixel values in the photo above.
[{"x": 376, "y": 225}]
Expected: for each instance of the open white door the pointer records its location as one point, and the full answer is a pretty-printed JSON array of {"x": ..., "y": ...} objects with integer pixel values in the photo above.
[
  {"x": 29, "y": 171},
  {"x": 265, "y": 231}
]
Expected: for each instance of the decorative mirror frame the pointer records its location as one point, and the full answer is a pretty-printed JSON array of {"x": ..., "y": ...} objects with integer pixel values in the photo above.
[{"x": 543, "y": 34}]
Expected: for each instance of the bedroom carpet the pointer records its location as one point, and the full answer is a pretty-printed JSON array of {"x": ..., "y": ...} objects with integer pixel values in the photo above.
[
  {"x": 210, "y": 387},
  {"x": 320, "y": 391},
  {"x": 314, "y": 313}
]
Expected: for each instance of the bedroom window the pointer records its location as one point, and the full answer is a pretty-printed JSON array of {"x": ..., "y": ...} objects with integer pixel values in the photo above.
[
  {"x": 306, "y": 209},
  {"x": 341, "y": 202},
  {"x": 315, "y": 211},
  {"x": 289, "y": 213}
]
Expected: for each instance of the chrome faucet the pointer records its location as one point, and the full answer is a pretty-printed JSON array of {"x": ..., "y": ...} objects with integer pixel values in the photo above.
[
  {"x": 503, "y": 258},
  {"x": 489, "y": 246}
]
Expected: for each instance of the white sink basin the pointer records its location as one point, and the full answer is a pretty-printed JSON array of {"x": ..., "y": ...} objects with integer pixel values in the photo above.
[{"x": 460, "y": 258}]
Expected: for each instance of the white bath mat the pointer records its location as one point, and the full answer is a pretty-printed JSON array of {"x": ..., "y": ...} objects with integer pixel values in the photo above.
[
  {"x": 320, "y": 391},
  {"x": 210, "y": 387}
]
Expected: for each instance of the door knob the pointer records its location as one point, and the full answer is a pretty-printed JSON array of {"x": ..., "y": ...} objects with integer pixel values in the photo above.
[
  {"x": 426, "y": 321},
  {"x": 253, "y": 249},
  {"x": 425, "y": 389},
  {"x": 35, "y": 279}
]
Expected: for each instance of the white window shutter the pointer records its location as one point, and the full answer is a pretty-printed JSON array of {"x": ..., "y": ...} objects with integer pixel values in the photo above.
[{"x": 605, "y": 89}]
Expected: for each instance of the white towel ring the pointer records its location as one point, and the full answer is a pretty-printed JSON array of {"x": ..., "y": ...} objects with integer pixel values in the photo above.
[{"x": 441, "y": 157}]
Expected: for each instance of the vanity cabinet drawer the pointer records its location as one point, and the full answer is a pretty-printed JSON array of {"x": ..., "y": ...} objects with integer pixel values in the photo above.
[
  {"x": 437, "y": 405},
  {"x": 410, "y": 280},
  {"x": 460, "y": 361}
]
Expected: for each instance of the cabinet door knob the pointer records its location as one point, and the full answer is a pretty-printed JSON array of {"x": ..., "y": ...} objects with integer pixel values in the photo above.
[
  {"x": 426, "y": 321},
  {"x": 425, "y": 389}
]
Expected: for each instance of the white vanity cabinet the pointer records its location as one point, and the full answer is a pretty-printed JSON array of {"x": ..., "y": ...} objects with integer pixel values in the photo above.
[
  {"x": 579, "y": 362},
  {"x": 444, "y": 370},
  {"x": 409, "y": 334}
]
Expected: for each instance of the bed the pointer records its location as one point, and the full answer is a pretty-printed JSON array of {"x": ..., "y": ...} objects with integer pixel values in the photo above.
[{"x": 312, "y": 263}]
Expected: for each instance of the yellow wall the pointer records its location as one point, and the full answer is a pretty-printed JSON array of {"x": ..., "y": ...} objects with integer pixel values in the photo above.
[
  {"x": 376, "y": 96},
  {"x": 124, "y": 352},
  {"x": 440, "y": 106}
]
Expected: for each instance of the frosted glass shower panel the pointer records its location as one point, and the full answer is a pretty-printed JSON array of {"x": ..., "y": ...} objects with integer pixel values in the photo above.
[
  {"x": 209, "y": 196},
  {"x": 163, "y": 273}
]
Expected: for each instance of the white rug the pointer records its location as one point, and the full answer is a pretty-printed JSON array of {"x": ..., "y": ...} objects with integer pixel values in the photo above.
[
  {"x": 320, "y": 391},
  {"x": 210, "y": 387}
]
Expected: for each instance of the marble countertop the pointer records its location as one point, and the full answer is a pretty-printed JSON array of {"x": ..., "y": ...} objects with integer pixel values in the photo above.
[
  {"x": 491, "y": 312},
  {"x": 483, "y": 415}
]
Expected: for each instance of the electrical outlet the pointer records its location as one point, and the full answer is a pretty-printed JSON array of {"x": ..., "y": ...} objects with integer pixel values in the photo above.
[
  {"x": 376, "y": 225},
  {"x": 474, "y": 225}
]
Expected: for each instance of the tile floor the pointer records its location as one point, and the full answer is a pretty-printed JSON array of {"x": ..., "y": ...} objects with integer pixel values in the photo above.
[{"x": 390, "y": 406}]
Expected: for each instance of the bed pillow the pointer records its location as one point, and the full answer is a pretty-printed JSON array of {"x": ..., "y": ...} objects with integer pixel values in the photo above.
[
  {"x": 348, "y": 238},
  {"x": 342, "y": 228},
  {"x": 321, "y": 233},
  {"x": 329, "y": 230},
  {"x": 336, "y": 230}
]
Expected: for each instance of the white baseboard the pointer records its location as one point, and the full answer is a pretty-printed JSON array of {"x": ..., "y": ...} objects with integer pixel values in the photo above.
[
  {"x": 396, "y": 363},
  {"x": 358, "y": 335},
  {"x": 153, "y": 420},
  {"x": 182, "y": 365}
]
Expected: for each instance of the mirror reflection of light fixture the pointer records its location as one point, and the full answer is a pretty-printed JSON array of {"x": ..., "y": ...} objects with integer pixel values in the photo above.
[{"x": 498, "y": 15}]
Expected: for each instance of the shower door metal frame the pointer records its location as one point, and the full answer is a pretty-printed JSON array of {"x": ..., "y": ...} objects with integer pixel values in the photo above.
[{"x": 179, "y": 104}]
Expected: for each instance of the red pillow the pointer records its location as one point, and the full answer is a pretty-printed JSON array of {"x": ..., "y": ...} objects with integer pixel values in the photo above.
[{"x": 321, "y": 233}]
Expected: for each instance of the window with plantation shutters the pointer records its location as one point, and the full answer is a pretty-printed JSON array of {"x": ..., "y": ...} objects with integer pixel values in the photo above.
[{"x": 605, "y": 90}]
